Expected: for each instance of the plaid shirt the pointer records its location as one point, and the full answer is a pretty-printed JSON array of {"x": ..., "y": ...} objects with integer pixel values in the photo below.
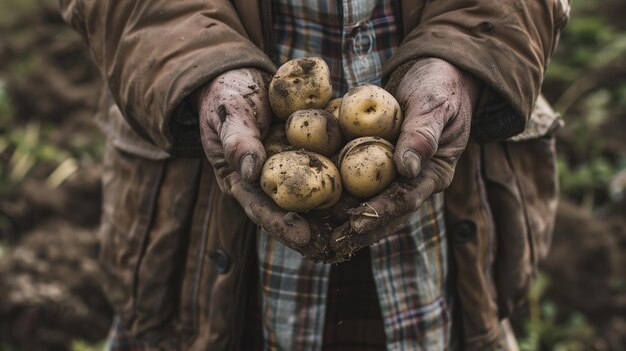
[
  {"x": 409, "y": 268},
  {"x": 353, "y": 37}
]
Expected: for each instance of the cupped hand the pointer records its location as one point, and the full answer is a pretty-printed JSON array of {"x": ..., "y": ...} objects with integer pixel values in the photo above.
[
  {"x": 438, "y": 100},
  {"x": 234, "y": 116}
]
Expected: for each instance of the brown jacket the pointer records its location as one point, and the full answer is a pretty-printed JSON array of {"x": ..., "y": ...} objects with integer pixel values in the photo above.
[{"x": 177, "y": 267}]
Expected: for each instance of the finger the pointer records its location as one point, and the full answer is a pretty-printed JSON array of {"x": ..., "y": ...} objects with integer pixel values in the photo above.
[
  {"x": 243, "y": 148},
  {"x": 211, "y": 144},
  {"x": 419, "y": 138},
  {"x": 287, "y": 227},
  {"x": 345, "y": 241},
  {"x": 399, "y": 199},
  {"x": 215, "y": 154},
  {"x": 456, "y": 133}
]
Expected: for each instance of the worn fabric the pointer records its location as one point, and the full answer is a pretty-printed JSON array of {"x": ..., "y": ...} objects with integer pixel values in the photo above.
[{"x": 165, "y": 263}]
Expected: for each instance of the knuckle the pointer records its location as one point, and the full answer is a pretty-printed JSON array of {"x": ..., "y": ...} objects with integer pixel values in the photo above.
[
  {"x": 422, "y": 140},
  {"x": 442, "y": 175}
]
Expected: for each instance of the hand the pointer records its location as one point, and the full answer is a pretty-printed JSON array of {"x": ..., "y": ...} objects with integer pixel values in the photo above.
[
  {"x": 234, "y": 117},
  {"x": 438, "y": 100}
]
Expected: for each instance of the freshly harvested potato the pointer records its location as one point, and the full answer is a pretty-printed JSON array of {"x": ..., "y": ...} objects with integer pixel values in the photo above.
[
  {"x": 314, "y": 130},
  {"x": 299, "y": 84},
  {"x": 366, "y": 166},
  {"x": 369, "y": 110},
  {"x": 300, "y": 181},
  {"x": 276, "y": 140},
  {"x": 333, "y": 107}
]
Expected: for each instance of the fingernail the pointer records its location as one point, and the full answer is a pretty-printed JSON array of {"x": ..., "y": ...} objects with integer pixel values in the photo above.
[
  {"x": 290, "y": 218},
  {"x": 248, "y": 167},
  {"x": 412, "y": 162},
  {"x": 298, "y": 235},
  {"x": 360, "y": 225}
]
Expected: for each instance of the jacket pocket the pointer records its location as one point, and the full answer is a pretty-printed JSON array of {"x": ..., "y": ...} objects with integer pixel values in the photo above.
[
  {"x": 145, "y": 215},
  {"x": 535, "y": 161},
  {"x": 220, "y": 271}
]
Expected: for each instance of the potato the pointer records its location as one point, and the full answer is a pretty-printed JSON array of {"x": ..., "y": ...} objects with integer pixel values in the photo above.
[
  {"x": 314, "y": 130},
  {"x": 366, "y": 166},
  {"x": 333, "y": 107},
  {"x": 276, "y": 140},
  {"x": 369, "y": 110},
  {"x": 301, "y": 181},
  {"x": 299, "y": 84}
]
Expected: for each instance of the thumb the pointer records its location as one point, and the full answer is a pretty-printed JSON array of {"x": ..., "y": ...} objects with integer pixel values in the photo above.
[
  {"x": 243, "y": 148},
  {"x": 419, "y": 139}
]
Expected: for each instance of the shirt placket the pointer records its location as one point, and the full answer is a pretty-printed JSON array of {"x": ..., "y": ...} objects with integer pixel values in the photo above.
[{"x": 360, "y": 61}]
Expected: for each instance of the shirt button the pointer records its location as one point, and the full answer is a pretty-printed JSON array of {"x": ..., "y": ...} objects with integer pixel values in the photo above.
[
  {"x": 362, "y": 38},
  {"x": 221, "y": 260},
  {"x": 464, "y": 231}
]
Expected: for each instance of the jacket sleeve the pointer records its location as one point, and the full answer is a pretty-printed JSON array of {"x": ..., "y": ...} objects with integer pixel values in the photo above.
[
  {"x": 153, "y": 54},
  {"x": 505, "y": 44}
]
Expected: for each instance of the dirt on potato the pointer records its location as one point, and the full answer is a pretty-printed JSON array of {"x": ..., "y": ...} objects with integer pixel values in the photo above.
[
  {"x": 301, "y": 83},
  {"x": 314, "y": 162}
]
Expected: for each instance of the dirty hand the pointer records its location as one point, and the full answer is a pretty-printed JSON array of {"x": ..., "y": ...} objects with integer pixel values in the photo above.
[
  {"x": 437, "y": 100},
  {"x": 234, "y": 117}
]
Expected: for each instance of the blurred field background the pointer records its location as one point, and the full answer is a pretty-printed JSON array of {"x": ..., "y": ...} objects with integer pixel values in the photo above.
[{"x": 50, "y": 150}]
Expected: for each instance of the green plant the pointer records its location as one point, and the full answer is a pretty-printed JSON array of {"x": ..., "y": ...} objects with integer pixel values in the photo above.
[
  {"x": 24, "y": 147},
  {"x": 544, "y": 330},
  {"x": 29, "y": 148},
  {"x": 589, "y": 58},
  {"x": 82, "y": 345},
  {"x": 6, "y": 108}
]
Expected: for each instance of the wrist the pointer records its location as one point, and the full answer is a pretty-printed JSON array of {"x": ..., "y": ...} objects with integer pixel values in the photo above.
[{"x": 473, "y": 88}]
